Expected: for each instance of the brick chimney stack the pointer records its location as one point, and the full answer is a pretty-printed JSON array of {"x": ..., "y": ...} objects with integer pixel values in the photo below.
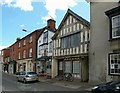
[
  {"x": 51, "y": 24},
  {"x": 18, "y": 39}
]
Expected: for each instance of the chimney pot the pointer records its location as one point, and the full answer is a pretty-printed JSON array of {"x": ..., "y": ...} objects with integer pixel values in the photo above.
[{"x": 51, "y": 24}]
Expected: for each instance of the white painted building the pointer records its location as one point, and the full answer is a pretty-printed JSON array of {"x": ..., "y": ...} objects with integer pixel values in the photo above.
[
  {"x": 104, "y": 47},
  {"x": 45, "y": 48}
]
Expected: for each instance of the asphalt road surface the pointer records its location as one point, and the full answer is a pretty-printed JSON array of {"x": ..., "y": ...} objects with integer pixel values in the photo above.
[{"x": 10, "y": 85}]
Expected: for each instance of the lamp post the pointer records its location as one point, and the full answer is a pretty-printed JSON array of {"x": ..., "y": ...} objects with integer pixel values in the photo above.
[{"x": 25, "y": 30}]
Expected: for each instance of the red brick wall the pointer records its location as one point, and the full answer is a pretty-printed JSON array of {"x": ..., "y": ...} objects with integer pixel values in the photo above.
[
  {"x": 15, "y": 50},
  {"x": 6, "y": 54}
]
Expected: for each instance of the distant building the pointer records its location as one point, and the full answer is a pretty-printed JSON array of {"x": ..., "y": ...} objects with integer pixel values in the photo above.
[
  {"x": 45, "y": 48},
  {"x": 104, "y": 48},
  {"x": 21, "y": 56},
  {"x": 70, "y": 47},
  {"x": 1, "y": 61},
  {"x": 5, "y": 58}
]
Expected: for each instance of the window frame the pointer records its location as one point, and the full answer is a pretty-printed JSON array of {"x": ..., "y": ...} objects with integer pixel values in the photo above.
[
  {"x": 111, "y": 14},
  {"x": 24, "y": 42},
  {"x": 30, "y": 52},
  {"x": 110, "y": 64},
  {"x": 19, "y": 45},
  {"x": 24, "y": 54},
  {"x": 70, "y": 41},
  {"x": 18, "y": 55},
  {"x": 115, "y": 26},
  {"x": 30, "y": 40}
]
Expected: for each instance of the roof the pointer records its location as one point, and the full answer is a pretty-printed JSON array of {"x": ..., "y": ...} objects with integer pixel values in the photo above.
[
  {"x": 70, "y": 12},
  {"x": 29, "y": 35},
  {"x": 113, "y": 11}
]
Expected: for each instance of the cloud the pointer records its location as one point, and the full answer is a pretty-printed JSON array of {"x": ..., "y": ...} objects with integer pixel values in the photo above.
[
  {"x": 53, "y": 5},
  {"x": 22, "y": 25},
  {"x": 25, "y": 5},
  {"x": 2, "y": 47}
]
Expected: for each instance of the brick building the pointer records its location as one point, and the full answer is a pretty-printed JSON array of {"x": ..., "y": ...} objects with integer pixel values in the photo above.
[
  {"x": 23, "y": 52},
  {"x": 6, "y": 58}
]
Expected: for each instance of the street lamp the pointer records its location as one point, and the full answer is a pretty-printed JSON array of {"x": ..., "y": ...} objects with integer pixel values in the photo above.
[{"x": 24, "y": 30}]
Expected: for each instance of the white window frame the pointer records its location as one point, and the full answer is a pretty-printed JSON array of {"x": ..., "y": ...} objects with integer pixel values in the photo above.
[
  {"x": 19, "y": 45},
  {"x": 113, "y": 27},
  {"x": 24, "y": 54},
  {"x": 19, "y": 55},
  {"x": 30, "y": 39},
  {"x": 24, "y": 42},
  {"x": 114, "y": 64},
  {"x": 30, "y": 52}
]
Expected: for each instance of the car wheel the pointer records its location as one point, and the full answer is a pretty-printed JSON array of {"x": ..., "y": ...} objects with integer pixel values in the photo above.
[{"x": 24, "y": 80}]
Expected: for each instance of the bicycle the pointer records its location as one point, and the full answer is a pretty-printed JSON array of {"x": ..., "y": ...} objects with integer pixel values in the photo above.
[
  {"x": 65, "y": 76},
  {"x": 68, "y": 77}
]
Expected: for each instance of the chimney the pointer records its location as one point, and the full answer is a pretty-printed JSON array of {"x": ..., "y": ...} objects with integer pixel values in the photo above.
[
  {"x": 51, "y": 24},
  {"x": 18, "y": 39}
]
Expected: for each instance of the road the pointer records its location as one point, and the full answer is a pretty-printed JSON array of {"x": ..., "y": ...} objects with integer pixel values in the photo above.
[{"x": 9, "y": 83}]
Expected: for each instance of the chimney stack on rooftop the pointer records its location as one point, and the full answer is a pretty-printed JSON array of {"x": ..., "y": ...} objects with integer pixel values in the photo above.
[
  {"x": 18, "y": 39},
  {"x": 51, "y": 24}
]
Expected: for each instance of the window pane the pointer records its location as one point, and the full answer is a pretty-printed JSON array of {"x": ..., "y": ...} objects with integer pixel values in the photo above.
[
  {"x": 116, "y": 26},
  {"x": 114, "y": 64},
  {"x": 67, "y": 67},
  {"x": 116, "y": 21},
  {"x": 76, "y": 67},
  {"x": 112, "y": 70}
]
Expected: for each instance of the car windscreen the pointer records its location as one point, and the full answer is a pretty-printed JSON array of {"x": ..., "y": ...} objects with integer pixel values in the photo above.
[
  {"x": 31, "y": 73},
  {"x": 115, "y": 82}
]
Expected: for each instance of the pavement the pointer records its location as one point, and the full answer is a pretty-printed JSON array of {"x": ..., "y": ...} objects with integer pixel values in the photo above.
[{"x": 76, "y": 84}]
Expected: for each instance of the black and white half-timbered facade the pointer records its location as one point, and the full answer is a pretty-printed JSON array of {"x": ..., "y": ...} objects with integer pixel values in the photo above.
[{"x": 70, "y": 47}]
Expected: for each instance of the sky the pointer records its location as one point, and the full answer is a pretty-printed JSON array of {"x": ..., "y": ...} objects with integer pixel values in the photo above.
[{"x": 33, "y": 14}]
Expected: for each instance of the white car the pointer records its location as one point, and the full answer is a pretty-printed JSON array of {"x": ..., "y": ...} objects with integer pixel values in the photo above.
[{"x": 27, "y": 76}]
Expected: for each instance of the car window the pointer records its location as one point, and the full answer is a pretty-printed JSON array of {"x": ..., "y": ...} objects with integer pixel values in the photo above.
[
  {"x": 18, "y": 73},
  {"x": 108, "y": 83},
  {"x": 23, "y": 73},
  {"x": 115, "y": 82},
  {"x": 31, "y": 73},
  {"x": 118, "y": 85}
]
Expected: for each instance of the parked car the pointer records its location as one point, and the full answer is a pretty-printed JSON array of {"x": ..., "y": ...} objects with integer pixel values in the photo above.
[
  {"x": 27, "y": 76},
  {"x": 17, "y": 74},
  {"x": 109, "y": 87}
]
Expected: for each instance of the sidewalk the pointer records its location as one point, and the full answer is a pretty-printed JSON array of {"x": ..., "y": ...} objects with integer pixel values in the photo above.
[{"x": 76, "y": 84}]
